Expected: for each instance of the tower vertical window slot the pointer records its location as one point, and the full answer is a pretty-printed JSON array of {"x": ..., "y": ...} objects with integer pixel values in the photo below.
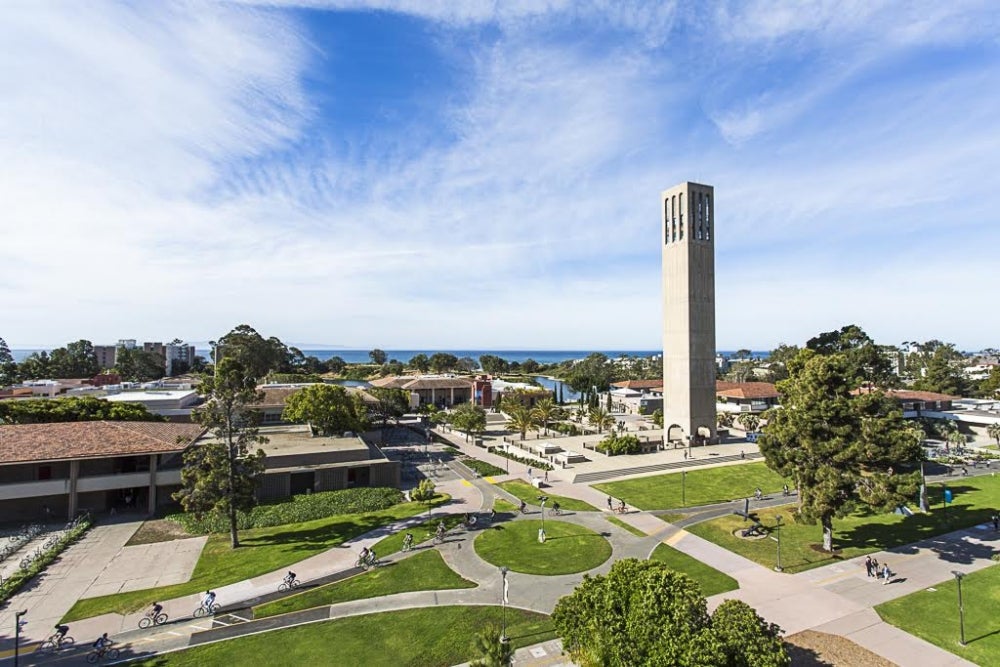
[
  {"x": 680, "y": 211},
  {"x": 708, "y": 217}
]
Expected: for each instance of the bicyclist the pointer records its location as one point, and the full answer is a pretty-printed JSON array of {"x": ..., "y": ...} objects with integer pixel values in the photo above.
[
  {"x": 524, "y": 507},
  {"x": 758, "y": 494},
  {"x": 621, "y": 505},
  {"x": 363, "y": 556},
  {"x": 407, "y": 541},
  {"x": 61, "y": 631},
  {"x": 155, "y": 610},
  {"x": 290, "y": 577},
  {"x": 372, "y": 558},
  {"x": 440, "y": 531},
  {"x": 102, "y": 643},
  {"x": 208, "y": 600},
  {"x": 493, "y": 514},
  {"x": 555, "y": 507}
]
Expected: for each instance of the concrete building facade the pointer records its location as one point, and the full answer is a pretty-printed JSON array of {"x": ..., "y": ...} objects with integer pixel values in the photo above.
[{"x": 688, "y": 236}]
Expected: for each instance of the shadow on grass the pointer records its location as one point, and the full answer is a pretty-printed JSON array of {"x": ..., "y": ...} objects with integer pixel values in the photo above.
[{"x": 805, "y": 657}]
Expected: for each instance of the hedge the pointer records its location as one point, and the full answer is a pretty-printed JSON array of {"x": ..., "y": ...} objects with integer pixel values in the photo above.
[
  {"x": 482, "y": 467},
  {"x": 14, "y": 583},
  {"x": 300, "y": 508},
  {"x": 541, "y": 465},
  {"x": 619, "y": 444}
]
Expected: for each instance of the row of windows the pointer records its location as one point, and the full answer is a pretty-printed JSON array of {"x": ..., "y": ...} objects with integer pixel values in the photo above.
[{"x": 673, "y": 212}]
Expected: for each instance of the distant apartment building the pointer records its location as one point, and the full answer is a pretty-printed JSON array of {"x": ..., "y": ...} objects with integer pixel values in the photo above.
[
  {"x": 177, "y": 358},
  {"x": 106, "y": 356}
]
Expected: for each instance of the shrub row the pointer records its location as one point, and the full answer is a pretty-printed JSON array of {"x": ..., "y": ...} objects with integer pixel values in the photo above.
[
  {"x": 619, "y": 444},
  {"x": 300, "y": 508},
  {"x": 565, "y": 427},
  {"x": 14, "y": 583},
  {"x": 541, "y": 465},
  {"x": 482, "y": 467}
]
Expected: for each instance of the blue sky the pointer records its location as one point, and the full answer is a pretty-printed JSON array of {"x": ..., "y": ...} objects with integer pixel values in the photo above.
[{"x": 486, "y": 174}]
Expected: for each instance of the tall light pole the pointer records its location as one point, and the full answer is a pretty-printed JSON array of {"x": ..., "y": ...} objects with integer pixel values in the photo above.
[
  {"x": 961, "y": 609},
  {"x": 541, "y": 532},
  {"x": 503, "y": 604},
  {"x": 17, "y": 632},
  {"x": 683, "y": 488},
  {"x": 923, "y": 488}
]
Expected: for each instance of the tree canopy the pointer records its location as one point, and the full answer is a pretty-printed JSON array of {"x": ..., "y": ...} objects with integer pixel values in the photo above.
[
  {"x": 8, "y": 367},
  {"x": 643, "y": 613},
  {"x": 843, "y": 448},
  {"x": 866, "y": 362},
  {"x": 378, "y": 356},
  {"x": 221, "y": 476},
  {"x": 469, "y": 418},
  {"x": 72, "y": 409},
  {"x": 442, "y": 361},
  {"x": 331, "y": 409}
]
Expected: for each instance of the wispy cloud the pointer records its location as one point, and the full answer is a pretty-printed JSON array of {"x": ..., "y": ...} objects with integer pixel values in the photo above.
[{"x": 167, "y": 170}]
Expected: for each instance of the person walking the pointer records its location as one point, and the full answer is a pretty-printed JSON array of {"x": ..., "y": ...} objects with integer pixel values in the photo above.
[
  {"x": 546, "y": 475},
  {"x": 610, "y": 504},
  {"x": 996, "y": 521},
  {"x": 886, "y": 573},
  {"x": 868, "y": 565}
]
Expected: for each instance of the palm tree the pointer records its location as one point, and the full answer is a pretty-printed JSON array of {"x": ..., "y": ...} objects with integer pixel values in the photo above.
[
  {"x": 724, "y": 419},
  {"x": 545, "y": 411},
  {"x": 993, "y": 430},
  {"x": 600, "y": 418},
  {"x": 750, "y": 421},
  {"x": 521, "y": 419},
  {"x": 956, "y": 438},
  {"x": 493, "y": 650}
]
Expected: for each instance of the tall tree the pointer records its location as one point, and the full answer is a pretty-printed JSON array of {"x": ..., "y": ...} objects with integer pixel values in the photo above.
[
  {"x": 378, "y": 356},
  {"x": 493, "y": 648},
  {"x": 331, "y": 409},
  {"x": 420, "y": 362},
  {"x": 73, "y": 409},
  {"x": 255, "y": 354},
  {"x": 442, "y": 361},
  {"x": 520, "y": 418},
  {"x": 392, "y": 404},
  {"x": 749, "y": 421},
  {"x": 643, "y": 614},
  {"x": 8, "y": 367},
  {"x": 866, "y": 364},
  {"x": 993, "y": 430},
  {"x": 468, "y": 418},
  {"x": 493, "y": 364},
  {"x": 35, "y": 367},
  {"x": 942, "y": 373},
  {"x": 593, "y": 372},
  {"x": 546, "y": 410},
  {"x": 221, "y": 476},
  {"x": 843, "y": 448},
  {"x": 76, "y": 360},
  {"x": 600, "y": 419},
  {"x": 135, "y": 365}
]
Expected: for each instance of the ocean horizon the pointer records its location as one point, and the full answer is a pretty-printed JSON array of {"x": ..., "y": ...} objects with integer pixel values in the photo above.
[{"x": 404, "y": 356}]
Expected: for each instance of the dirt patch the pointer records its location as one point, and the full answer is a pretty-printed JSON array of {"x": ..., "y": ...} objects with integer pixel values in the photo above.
[
  {"x": 819, "y": 649},
  {"x": 158, "y": 530}
]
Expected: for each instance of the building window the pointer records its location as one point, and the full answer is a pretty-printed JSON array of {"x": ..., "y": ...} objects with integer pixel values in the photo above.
[
  {"x": 666, "y": 220},
  {"x": 701, "y": 218},
  {"x": 708, "y": 217},
  {"x": 44, "y": 472}
]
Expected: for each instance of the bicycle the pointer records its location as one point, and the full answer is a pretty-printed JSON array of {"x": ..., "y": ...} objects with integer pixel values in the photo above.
[
  {"x": 439, "y": 538},
  {"x": 151, "y": 619},
  {"x": 55, "y": 642},
  {"x": 361, "y": 563},
  {"x": 557, "y": 511},
  {"x": 289, "y": 585},
  {"x": 202, "y": 610},
  {"x": 110, "y": 653}
]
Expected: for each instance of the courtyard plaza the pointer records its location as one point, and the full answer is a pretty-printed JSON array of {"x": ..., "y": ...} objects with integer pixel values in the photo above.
[{"x": 836, "y": 599}]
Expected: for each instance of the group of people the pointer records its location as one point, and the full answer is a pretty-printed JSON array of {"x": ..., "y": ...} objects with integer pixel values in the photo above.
[
  {"x": 367, "y": 557},
  {"x": 873, "y": 569}
]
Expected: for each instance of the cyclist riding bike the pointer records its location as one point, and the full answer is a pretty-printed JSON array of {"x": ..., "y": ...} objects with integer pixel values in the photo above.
[
  {"x": 407, "y": 541},
  {"x": 155, "y": 610},
  {"x": 372, "y": 558},
  {"x": 208, "y": 600},
  {"x": 524, "y": 507},
  {"x": 61, "y": 631},
  {"x": 102, "y": 643},
  {"x": 290, "y": 577},
  {"x": 555, "y": 508}
]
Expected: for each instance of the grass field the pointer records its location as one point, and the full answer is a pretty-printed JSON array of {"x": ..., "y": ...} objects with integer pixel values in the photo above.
[
  {"x": 700, "y": 487},
  {"x": 529, "y": 494},
  {"x": 974, "y": 501},
  {"x": 568, "y": 548},
  {"x": 933, "y": 615},
  {"x": 262, "y": 550},
  {"x": 407, "y": 638},
  {"x": 425, "y": 571},
  {"x": 422, "y": 532},
  {"x": 711, "y": 580}
]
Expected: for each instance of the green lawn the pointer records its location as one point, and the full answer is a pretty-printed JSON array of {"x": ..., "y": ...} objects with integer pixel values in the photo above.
[
  {"x": 425, "y": 571},
  {"x": 410, "y": 637},
  {"x": 933, "y": 615},
  {"x": 711, "y": 580},
  {"x": 625, "y": 526},
  {"x": 974, "y": 501},
  {"x": 504, "y": 507},
  {"x": 701, "y": 487},
  {"x": 529, "y": 494},
  {"x": 422, "y": 532},
  {"x": 568, "y": 548},
  {"x": 262, "y": 550}
]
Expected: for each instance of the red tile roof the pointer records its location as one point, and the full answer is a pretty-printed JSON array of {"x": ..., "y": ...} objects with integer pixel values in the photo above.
[
  {"x": 910, "y": 395},
  {"x": 746, "y": 390},
  {"x": 639, "y": 384},
  {"x": 23, "y": 443}
]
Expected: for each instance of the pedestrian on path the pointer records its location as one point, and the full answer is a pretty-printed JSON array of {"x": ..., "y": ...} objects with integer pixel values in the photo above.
[
  {"x": 610, "y": 504},
  {"x": 886, "y": 573},
  {"x": 868, "y": 565},
  {"x": 875, "y": 567},
  {"x": 546, "y": 475},
  {"x": 529, "y": 473},
  {"x": 996, "y": 521}
]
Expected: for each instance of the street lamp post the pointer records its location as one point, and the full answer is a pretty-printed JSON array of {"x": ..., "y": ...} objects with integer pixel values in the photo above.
[
  {"x": 777, "y": 538},
  {"x": 683, "y": 488},
  {"x": 961, "y": 609},
  {"x": 17, "y": 632},
  {"x": 503, "y": 604}
]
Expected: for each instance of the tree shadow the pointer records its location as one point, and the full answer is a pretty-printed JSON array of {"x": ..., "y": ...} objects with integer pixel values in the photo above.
[{"x": 805, "y": 657}]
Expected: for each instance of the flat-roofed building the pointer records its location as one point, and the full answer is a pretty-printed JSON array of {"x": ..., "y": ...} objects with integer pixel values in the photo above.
[
  {"x": 174, "y": 404},
  {"x": 63, "y": 468}
]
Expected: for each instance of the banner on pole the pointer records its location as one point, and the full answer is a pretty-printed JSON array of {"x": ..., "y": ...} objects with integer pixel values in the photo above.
[{"x": 506, "y": 590}]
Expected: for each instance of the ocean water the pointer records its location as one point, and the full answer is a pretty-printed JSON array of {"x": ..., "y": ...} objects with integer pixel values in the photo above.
[{"x": 520, "y": 356}]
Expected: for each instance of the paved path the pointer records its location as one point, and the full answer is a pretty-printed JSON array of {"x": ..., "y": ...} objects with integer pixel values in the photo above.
[{"x": 837, "y": 598}]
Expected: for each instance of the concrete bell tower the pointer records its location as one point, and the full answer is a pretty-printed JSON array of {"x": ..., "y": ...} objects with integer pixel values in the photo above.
[{"x": 688, "y": 237}]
